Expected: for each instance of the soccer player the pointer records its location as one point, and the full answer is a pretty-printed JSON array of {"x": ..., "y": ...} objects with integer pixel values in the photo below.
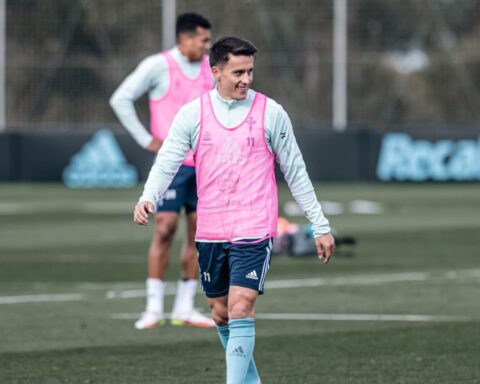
[
  {"x": 236, "y": 135},
  {"x": 171, "y": 78}
]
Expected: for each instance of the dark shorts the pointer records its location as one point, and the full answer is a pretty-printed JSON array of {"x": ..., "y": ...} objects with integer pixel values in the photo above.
[
  {"x": 226, "y": 264},
  {"x": 182, "y": 192}
]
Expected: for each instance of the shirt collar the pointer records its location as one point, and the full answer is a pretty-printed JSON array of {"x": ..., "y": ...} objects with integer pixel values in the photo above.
[
  {"x": 234, "y": 103},
  {"x": 175, "y": 52}
]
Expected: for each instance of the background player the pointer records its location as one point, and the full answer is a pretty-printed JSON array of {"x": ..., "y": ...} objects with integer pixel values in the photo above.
[
  {"x": 236, "y": 134},
  {"x": 171, "y": 79}
]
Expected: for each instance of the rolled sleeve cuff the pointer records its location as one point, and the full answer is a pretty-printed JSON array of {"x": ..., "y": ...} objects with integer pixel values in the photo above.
[
  {"x": 147, "y": 199},
  {"x": 144, "y": 140},
  {"x": 321, "y": 229}
]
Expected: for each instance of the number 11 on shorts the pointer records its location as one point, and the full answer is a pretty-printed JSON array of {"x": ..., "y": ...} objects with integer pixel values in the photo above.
[{"x": 206, "y": 277}]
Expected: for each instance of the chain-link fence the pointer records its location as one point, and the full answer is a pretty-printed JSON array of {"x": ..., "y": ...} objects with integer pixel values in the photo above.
[{"x": 409, "y": 61}]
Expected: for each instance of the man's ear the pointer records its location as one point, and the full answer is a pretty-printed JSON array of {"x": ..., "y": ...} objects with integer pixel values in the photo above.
[{"x": 216, "y": 73}]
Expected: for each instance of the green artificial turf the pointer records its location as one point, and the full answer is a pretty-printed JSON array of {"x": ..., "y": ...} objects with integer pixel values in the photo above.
[{"x": 83, "y": 242}]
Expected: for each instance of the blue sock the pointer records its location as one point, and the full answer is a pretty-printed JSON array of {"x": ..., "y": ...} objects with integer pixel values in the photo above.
[
  {"x": 239, "y": 351},
  {"x": 252, "y": 376},
  {"x": 223, "y": 333}
]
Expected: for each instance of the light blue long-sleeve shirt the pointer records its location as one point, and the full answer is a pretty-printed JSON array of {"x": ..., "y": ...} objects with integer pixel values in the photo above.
[
  {"x": 150, "y": 76},
  {"x": 183, "y": 136}
]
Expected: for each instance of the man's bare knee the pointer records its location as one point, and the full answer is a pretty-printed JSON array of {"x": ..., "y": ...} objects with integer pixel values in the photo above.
[
  {"x": 165, "y": 229},
  {"x": 241, "y": 309},
  {"x": 241, "y": 302}
]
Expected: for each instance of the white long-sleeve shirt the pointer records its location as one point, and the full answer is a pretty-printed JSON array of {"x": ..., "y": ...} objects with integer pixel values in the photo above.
[
  {"x": 183, "y": 136},
  {"x": 151, "y": 76}
]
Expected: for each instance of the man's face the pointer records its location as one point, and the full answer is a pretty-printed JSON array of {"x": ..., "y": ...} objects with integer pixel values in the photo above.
[
  {"x": 235, "y": 77},
  {"x": 196, "y": 45}
]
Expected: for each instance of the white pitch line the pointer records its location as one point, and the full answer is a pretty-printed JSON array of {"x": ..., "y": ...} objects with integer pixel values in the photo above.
[
  {"x": 463, "y": 274},
  {"x": 170, "y": 290},
  {"x": 364, "y": 280},
  {"x": 348, "y": 280},
  {"x": 334, "y": 317},
  {"x": 354, "y": 280},
  {"x": 133, "y": 316},
  {"x": 298, "y": 283},
  {"x": 358, "y": 317},
  {"x": 41, "y": 298}
]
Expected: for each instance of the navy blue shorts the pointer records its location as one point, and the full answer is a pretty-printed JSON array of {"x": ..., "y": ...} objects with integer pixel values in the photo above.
[
  {"x": 226, "y": 264},
  {"x": 182, "y": 192}
]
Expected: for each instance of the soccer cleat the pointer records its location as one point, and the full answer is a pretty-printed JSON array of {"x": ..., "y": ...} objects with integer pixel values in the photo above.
[
  {"x": 192, "y": 319},
  {"x": 149, "y": 320}
]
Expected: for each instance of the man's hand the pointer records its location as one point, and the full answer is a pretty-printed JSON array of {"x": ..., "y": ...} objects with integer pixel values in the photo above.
[
  {"x": 325, "y": 247},
  {"x": 140, "y": 214},
  {"x": 154, "y": 146}
]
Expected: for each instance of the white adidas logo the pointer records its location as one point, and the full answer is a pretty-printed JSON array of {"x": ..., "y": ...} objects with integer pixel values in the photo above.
[{"x": 252, "y": 275}]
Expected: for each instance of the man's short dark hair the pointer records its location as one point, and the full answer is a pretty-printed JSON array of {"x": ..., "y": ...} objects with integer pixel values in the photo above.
[
  {"x": 230, "y": 45},
  {"x": 188, "y": 23}
]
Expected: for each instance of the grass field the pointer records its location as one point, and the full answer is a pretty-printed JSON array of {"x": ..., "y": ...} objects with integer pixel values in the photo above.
[{"x": 405, "y": 308}]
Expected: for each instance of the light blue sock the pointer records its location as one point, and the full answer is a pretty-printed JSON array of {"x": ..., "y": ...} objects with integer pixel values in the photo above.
[
  {"x": 223, "y": 333},
  {"x": 252, "y": 376},
  {"x": 239, "y": 351}
]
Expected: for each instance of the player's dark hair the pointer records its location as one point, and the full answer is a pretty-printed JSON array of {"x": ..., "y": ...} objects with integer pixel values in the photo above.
[
  {"x": 188, "y": 23},
  {"x": 230, "y": 45}
]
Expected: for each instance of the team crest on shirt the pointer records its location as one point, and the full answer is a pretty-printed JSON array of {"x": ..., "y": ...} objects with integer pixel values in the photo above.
[
  {"x": 251, "y": 121},
  {"x": 207, "y": 136}
]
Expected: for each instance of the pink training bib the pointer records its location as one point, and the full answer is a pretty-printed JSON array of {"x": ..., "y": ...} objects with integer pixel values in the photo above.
[
  {"x": 181, "y": 90},
  {"x": 236, "y": 187}
]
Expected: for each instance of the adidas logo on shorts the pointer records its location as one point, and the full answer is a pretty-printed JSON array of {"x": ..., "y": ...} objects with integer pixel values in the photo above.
[{"x": 252, "y": 275}]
